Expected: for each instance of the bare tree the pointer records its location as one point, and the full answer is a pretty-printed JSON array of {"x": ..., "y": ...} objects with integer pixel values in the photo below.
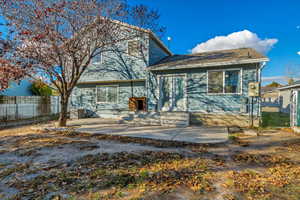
[
  {"x": 59, "y": 38},
  {"x": 9, "y": 71},
  {"x": 292, "y": 73}
]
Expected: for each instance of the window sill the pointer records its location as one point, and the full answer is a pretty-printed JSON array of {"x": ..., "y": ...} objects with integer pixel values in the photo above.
[
  {"x": 106, "y": 102},
  {"x": 222, "y": 94}
]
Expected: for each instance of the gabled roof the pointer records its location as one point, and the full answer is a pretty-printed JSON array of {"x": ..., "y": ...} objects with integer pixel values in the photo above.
[
  {"x": 209, "y": 59},
  {"x": 152, "y": 35}
]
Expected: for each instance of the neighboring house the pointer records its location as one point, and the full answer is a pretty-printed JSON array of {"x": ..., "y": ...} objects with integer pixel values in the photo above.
[
  {"x": 270, "y": 99},
  {"x": 285, "y": 94},
  {"x": 18, "y": 89},
  {"x": 211, "y": 86},
  {"x": 278, "y": 99}
]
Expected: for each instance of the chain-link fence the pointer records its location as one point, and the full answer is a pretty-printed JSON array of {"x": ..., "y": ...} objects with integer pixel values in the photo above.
[{"x": 27, "y": 107}]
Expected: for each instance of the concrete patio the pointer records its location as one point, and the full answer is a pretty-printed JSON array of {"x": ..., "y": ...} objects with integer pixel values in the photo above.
[{"x": 193, "y": 134}]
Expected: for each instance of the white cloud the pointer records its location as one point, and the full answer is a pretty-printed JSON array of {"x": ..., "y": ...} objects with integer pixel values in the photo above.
[
  {"x": 236, "y": 40},
  {"x": 298, "y": 53}
]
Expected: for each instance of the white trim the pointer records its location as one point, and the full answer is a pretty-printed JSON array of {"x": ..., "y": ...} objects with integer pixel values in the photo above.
[
  {"x": 289, "y": 87},
  {"x": 224, "y": 71},
  {"x": 242, "y": 78},
  {"x": 106, "y": 87}
]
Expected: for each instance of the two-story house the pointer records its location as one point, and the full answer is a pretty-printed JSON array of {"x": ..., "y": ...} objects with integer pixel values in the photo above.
[{"x": 143, "y": 75}]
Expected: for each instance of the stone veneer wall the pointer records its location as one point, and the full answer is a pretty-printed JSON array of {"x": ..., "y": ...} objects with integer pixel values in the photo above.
[{"x": 222, "y": 119}]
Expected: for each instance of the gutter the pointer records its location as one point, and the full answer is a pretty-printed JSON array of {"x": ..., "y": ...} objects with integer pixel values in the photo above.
[
  {"x": 200, "y": 65},
  {"x": 289, "y": 87},
  {"x": 110, "y": 81}
]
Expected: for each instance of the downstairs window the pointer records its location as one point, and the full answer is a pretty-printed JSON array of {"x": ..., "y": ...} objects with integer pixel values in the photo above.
[
  {"x": 224, "y": 82},
  {"x": 107, "y": 94}
]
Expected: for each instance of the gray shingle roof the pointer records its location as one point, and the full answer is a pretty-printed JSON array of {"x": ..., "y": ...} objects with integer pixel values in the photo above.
[{"x": 209, "y": 59}]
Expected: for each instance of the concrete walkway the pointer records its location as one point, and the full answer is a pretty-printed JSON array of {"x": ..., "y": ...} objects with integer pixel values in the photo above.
[{"x": 194, "y": 134}]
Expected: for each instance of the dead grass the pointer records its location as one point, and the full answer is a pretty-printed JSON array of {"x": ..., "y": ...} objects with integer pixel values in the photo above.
[
  {"x": 17, "y": 131},
  {"x": 264, "y": 167}
]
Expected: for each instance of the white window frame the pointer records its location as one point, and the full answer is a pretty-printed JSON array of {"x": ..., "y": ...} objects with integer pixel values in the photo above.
[
  {"x": 133, "y": 40},
  {"x": 107, "y": 86},
  {"x": 224, "y": 71}
]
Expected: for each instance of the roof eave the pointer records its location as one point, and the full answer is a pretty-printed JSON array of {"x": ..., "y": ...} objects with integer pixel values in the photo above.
[
  {"x": 289, "y": 87},
  {"x": 202, "y": 65},
  {"x": 160, "y": 43},
  {"x": 110, "y": 81}
]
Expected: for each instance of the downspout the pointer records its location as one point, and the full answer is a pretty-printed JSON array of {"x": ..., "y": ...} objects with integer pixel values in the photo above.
[{"x": 259, "y": 78}]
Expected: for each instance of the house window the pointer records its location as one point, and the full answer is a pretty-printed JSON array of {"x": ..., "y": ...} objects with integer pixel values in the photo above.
[
  {"x": 232, "y": 81},
  {"x": 224, "y": 82},
  {"x": 133, "y": 47},
  {"x": 107, "y": 94},
  {"x": 215, "y": 82}
]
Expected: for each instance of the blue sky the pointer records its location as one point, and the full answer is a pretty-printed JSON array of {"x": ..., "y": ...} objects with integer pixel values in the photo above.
[{"x": 190, "y": 22}]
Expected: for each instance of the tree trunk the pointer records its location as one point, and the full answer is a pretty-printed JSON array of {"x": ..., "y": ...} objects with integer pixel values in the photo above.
[{"x": 63, "y": 116}]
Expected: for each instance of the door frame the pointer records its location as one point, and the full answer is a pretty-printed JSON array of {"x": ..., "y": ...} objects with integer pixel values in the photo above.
[{"x": 185, "y": 97}]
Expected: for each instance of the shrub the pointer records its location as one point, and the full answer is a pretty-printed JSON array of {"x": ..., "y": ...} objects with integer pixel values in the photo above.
[{"x": 41, "y": 89}]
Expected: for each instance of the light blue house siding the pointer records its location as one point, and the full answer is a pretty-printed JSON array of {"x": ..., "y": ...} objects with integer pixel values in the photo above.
[
  {"x": 169, "y": 83},
  {"x": 198, "y": 99},
  {"x": 116, "y": 64},
  {"x": 85, "y": 97},
  {"x": 156, "y": 53},
  {"x": 127, "y": 73}
]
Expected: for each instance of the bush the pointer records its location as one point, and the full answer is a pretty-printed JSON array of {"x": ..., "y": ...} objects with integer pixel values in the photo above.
[
  {"x": 273, "y": 119},
  {"x": 40, "y": 88}
]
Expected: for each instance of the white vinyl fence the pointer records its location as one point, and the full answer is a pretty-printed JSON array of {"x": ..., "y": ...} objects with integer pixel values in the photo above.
[{"x": 27, "y": 107}]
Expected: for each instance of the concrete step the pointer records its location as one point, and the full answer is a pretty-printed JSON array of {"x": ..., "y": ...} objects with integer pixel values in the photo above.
[
  {"x": 144, "y": 121},
  {"x": 175, "y": 119},
  {"x": 176, "y": 123},
  {"x": 171, "y": 114}
]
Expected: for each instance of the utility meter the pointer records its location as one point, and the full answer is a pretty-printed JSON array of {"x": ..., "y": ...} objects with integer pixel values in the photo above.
[{"x": 253, "y": 89}]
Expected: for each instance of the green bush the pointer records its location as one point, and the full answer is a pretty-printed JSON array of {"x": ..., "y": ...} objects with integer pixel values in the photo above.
[
  {"x": 273, "y": 119},
  {"x": 41, "y": 89}
]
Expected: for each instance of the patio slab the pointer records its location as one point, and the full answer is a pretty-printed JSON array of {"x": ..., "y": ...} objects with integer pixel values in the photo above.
[{"x": 192, "y": 134}]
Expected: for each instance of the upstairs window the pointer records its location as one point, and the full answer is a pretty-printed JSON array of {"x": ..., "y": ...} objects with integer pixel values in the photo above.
[
  {"x": 134, "y": 48},
  {"x": 107, "y": 94},
  {"x": 224, "y": 82}
]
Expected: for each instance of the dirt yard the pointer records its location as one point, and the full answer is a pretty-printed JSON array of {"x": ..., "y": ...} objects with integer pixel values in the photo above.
[{"x": 66, "y": 165}]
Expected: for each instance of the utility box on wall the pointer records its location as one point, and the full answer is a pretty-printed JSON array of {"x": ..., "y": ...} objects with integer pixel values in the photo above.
[{"x": 253, "y": 89}]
